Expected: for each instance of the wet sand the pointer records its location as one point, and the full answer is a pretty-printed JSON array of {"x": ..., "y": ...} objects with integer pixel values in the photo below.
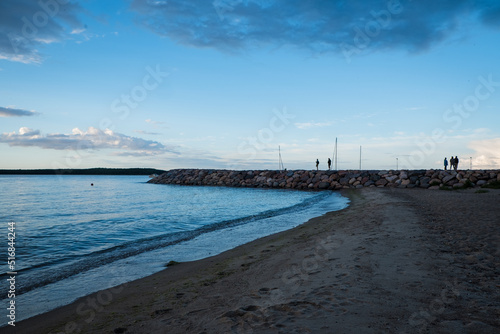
[{"x": 395, "y": 261}]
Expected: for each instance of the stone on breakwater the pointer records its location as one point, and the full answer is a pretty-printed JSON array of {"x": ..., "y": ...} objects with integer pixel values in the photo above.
[
  {"x": 322, "y": 180},
  {"x": 324, "y": 185}
]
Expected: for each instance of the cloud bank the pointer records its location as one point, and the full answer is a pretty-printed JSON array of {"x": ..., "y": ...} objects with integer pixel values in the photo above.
[
  {"x": 487, "y": 153},
  {"x": 12, "y": 112},
  {"x": 317, "y": 25},
  {"x": 26, "y": 25},
  {"x": 92, "y": 139}
]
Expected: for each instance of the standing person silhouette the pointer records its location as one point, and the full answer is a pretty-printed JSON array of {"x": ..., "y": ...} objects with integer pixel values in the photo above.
[
  {"x": 329, "y": 163},
  {"x": 445, "y": 163},
  {"x": 317, "y": 164},
  {"x": 452, "y": 162},
  {"x": 455, "y": 166}
]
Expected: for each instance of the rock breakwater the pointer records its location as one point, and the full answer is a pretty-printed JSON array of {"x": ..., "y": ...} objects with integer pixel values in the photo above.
[{"x": 329, "y": 180}]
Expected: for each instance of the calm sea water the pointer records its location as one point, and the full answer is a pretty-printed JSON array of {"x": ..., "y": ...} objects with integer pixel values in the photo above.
[{"x": 73, "y": 239}]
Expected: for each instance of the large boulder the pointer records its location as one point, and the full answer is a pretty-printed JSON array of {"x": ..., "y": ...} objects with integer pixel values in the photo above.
[
  {"x": 448, "y": 178},
  {"x": 324, "y": 185},
  {"x": 424, "y": 182},
  {"x": 391, "y": 178}
]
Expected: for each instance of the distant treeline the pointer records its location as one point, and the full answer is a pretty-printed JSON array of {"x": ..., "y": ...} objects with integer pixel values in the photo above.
[{"x": 89, "y": 171}]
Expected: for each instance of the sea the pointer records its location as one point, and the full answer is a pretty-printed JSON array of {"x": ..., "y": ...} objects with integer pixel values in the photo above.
[{"x": 75, "y": 234}]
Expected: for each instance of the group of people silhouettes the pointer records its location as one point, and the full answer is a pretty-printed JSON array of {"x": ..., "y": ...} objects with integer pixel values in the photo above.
[
  {"x": 453, "y": 163},
  {"x": 329, "y": 164}
]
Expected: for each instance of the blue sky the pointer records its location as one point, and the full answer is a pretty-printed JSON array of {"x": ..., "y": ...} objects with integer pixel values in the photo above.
[{"x": 224, "y": 83}]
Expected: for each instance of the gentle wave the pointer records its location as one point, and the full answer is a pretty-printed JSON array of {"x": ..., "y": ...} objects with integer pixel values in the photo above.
[{"x": 55, "y": 270}]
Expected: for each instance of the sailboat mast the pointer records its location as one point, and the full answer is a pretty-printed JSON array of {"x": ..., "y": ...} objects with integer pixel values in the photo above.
[
  {"x": 336, "y": 154},
  {"x": 359, "y": 157},
  {"x": 280, "y": 162}
]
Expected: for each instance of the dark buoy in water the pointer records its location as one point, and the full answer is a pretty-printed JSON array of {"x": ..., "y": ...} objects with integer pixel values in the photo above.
[{"x": 92, "y": 184}]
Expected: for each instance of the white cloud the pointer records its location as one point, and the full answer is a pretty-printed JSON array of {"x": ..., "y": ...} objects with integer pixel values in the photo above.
[
  {"x": 77, "y": 31},
  {"x": 309, "y": 125},
  {"x": 487, "y": 153},
  {"x": 148, "y": 133},
  {"x": 91, "y": 139}
]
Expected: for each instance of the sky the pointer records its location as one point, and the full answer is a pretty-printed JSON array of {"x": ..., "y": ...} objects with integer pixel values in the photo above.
[{"x": 232, "y": 84}]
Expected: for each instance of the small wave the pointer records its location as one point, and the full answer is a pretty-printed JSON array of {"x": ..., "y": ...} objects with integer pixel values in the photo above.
[{"x": 50, "y": 272}]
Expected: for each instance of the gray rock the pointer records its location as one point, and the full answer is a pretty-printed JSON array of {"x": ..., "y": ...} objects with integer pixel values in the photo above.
[
  {"x": 344, "y": 181},
  {"x": 435, "y": 182},
  {"x": 392, "y": 178},
  {"x": 448, "y": 178},
  {"x": 425, "y": 179},
  {"x": 324, "y": 185}
]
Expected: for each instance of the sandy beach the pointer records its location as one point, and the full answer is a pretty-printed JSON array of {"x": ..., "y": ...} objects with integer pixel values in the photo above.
[{"x": 394, "y": 261}]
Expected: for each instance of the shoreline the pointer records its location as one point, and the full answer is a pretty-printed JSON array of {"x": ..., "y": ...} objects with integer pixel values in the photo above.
[
  {"x": 346, "y": 269},
  {"x": 197, "y": 247}
]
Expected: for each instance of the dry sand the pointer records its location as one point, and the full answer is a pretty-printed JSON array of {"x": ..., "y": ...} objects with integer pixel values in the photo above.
[{"x": 395, "y": 261}]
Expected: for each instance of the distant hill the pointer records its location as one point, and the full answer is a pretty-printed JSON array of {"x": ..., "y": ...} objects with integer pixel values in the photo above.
[{"x": 89, "y": 171}]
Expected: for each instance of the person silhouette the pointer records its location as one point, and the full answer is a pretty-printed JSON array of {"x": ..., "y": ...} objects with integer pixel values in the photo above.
[
  {"x": 317, "y": 164},
  {"x": 452, "y": 162},
  {"x": 445, "y": 163},
  {"x": 455, "y": 165},
  {"x": 329, "y": 163}
]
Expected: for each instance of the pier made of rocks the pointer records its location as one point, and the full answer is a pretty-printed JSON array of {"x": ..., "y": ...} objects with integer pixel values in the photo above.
[{"x": 330, "y": 180}]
